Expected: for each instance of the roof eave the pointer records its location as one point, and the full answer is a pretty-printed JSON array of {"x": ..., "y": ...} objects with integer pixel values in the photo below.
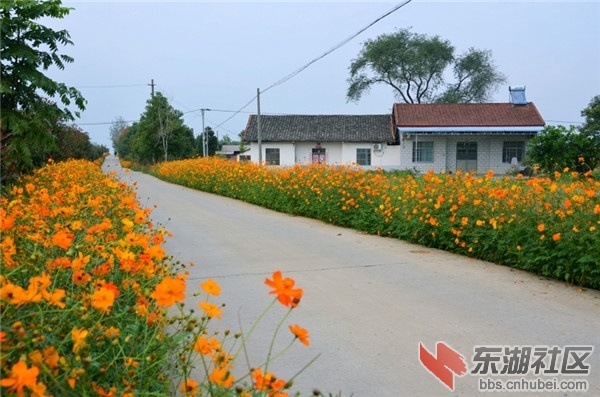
[{"x": 526, "y": 129}]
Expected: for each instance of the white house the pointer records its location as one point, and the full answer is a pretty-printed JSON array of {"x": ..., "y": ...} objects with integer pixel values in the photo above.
[
  {"x": 440, "y": 137},
  {"x": 467, "y": 136},
  {"x": 367, "y": 140}
]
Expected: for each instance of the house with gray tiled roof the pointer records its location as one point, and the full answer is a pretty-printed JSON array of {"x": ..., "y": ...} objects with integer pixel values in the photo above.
[
  {"x": 329, "y": 139},
  {"x": 439, "y": 137}
]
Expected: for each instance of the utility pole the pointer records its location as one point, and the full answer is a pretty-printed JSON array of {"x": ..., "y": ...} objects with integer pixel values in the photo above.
[
  {"x": 258, "y": 126},
  {"x": 204, "y": 135},
  {"x": 152, "y": 85}
]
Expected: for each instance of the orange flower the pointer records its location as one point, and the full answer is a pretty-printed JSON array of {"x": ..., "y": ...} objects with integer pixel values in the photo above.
[
  {"x": 211, "y": 309},
  {"x": 300, "y": 333},
  {"x": 206, "y": 346},
  {"x": 169, "y": 291},
  {"x": 78, "y": 336},
  {"x": 102, "y": 299},
  {"x": 556, "y": 236},
  {"x": 20, "y": 377},
  {"x": 190, "y": 388},
  {"x": 211, "y": 287},
  {"x": 12, "y": 293},
  {"x": 80, "y": 277},
  {"x": 541, "y": 227},
  {"x": 112, "y": 332},
  {"x": 51, "y": 357},
  {"x": 221, "y": 376},
  {"x": 267, "y": 382},
  {"x": 55, "y": 298},
  {"x": 283, "y": 288},
  {"x": 63, "y": 239}
]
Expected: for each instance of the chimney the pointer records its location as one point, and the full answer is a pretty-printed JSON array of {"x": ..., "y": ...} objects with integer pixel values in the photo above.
[{"x": 517, "y": 95}]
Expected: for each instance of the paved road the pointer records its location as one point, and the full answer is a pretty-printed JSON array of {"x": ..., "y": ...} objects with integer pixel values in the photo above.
[{"x": 368, "y": 301}]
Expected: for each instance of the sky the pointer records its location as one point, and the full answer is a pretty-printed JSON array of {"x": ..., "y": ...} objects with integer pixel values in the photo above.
[{"x": 216, "y": 55}]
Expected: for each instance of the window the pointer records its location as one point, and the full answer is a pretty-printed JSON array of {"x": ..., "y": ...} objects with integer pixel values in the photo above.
[
  {"x": 422, "y": 152},
  {"x": 512, "y": 149},
  {"x": 272, "y": 156},
  {"x": 363, "y": 156}
]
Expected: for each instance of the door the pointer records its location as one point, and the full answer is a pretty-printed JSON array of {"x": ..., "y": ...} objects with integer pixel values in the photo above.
[
  {"x": 318, "y": 155},
  {"x": 466, "y": 156}
]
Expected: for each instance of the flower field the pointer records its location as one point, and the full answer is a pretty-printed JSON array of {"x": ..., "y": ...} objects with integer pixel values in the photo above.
[
  {"x": 546, "y": 225},
  {"x": 91, "y": 305}
]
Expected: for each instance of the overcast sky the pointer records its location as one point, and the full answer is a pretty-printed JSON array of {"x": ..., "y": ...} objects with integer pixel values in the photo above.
[{"x": 214, "y": 55}]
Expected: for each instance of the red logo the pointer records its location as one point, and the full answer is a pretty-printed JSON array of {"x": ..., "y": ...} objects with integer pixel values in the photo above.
[{"x": 447, "y": 363}]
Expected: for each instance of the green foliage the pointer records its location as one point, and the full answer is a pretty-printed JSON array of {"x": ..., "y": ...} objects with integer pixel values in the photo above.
[
  {"x": 31, "y": 102},
  {"x": 415, "y": 65},
  {"x": 559, "y": 147},
  {"x": 591, "y": 127},
  {"x": 212, "y": 142},
  {"x": 160, "y": 135},
  {"x": 116, "y": 128}
]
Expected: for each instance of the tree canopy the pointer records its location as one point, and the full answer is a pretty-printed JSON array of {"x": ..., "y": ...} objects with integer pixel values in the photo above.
[
  {"x": 416, "y": 67},
  {"x": 591, "y": 126},
  {"x": 160, "y": 134},
  {"x": 32, "y": 104},
  {"x": 558, "y": 147}
]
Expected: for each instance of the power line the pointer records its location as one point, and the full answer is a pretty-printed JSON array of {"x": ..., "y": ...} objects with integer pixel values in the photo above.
[
  {"x": 291, "y": 75},
  {"x": 112, "y": 86},
  {"x": 298, "y": 71},
  {"x": 564, "y": 122}
]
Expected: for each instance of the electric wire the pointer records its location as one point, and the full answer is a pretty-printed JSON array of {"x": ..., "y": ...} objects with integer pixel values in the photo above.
[{"x": 298, "y": 71}]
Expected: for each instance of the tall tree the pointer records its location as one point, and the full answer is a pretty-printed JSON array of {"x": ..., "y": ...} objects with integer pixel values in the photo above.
[
  {"x": 116, "y": 129},
  {"x": 212, "y": 142},
  {"x": 161, "y": 134},
  {"x": 32, "y": 104},
  {"x": 415, "y": 66},
  {"x": 591, "y": 126}
]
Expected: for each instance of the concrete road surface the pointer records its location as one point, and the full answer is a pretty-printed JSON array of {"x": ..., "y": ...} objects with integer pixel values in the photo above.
[{"x": 370, "y": 301}]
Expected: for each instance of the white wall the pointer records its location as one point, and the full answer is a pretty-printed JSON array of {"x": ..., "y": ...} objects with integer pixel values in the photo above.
[{"x": 489, "y": 153}]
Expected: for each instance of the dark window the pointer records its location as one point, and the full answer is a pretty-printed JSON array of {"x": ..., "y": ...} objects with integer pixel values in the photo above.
[
  {"x": 272, "y": 156},
  {"x": 512, "y": 149},
  {"x": 363, "y": 156},
  {"x": 422, "y": 152}
]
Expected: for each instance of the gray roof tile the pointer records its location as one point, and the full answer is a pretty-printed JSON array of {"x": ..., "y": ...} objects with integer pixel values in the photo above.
[{"x": 321, "y": 128}]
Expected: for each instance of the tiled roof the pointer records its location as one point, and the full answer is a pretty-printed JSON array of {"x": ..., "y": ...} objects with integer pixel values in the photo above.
[
  {"x": 321, "y": 128},
  {"x": 467, "y": 115}
]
